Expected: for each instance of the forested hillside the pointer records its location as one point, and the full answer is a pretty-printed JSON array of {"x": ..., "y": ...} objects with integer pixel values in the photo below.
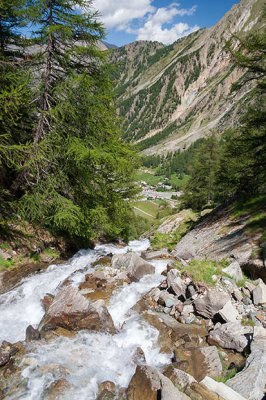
[{"x": 170, "y": 96}]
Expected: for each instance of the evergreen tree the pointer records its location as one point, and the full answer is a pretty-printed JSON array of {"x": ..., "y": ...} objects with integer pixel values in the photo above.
[
  {"x": 16, "y": 118},
  {"x": 200, "y": 190}
]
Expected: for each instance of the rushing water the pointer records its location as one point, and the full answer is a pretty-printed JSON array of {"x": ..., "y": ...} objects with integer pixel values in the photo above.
[{"x": 89, "y": 358}]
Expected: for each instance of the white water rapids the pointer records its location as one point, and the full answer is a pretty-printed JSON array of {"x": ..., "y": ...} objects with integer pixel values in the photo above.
[{"x": 89, "y": 358}]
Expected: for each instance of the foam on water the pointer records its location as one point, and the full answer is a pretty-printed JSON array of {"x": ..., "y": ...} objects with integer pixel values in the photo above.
[{"x": 90, "y": 358}]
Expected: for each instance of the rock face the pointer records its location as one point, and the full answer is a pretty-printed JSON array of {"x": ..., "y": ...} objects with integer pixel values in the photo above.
[
  {"x": 234, "y": 270},
  {"x": 221, "y": 389},
  {"x": 149, "y": 384},
  {"x": 135, "y": 266},
  {"x": 259, "y": 293},
  {"x": 211, "y": 303},
  {"x": 175, "y": 283},
  {"x": 231, "y": 335},
  {"x": 250, "y": 382},
  {"x": 70, "y": 310}
]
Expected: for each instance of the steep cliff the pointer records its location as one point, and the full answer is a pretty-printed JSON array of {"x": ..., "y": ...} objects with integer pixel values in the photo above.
[{"x": 170, "y": 96}]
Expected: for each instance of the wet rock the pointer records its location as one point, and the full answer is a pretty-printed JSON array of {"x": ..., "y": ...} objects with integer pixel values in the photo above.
[
  {"x": 178, "y": 377},
  {"x": 149, "y": 384},
  {"x": 139, "y": 356},
  {"x": 107, "y": 385},
  {"x": 221, "y": 389},
  {"x": 259, "y": 293},
  {"x": 32, "y": 334},
  {"x": 175, "y": 282},
  {"x": 72, "y": 311},
  {"x": 229, "y": 313},
  {"x": 231, "y": 335},
  {"x": 234, "y": 270},
  {"x": 7, "y": 350},
  {"x": 56, "y": 370},
  {"x": 135, "y": 266},
  {"x": 106, "y": 395},
  {"x": 47, "y": 300},
  {"x": 58, "y": 389},
  {"x": 210, "y": 303},
  {"x": 250, "y": 382}
]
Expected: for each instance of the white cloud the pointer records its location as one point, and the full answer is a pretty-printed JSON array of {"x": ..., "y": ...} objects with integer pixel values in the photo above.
[
  {"x": 119, "y": 13},
  {"x": 145, "y": 21}
]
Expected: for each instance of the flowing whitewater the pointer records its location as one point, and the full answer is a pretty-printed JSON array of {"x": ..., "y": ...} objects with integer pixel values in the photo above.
[{"x": 89, "y": 358}]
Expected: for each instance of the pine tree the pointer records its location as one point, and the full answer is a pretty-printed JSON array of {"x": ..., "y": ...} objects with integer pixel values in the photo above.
[
  {"x": 200, "y": 189},
  {"x": 15, "y": 97}
]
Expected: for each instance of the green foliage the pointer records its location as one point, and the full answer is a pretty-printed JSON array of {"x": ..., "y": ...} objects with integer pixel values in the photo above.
[
  {"x": 203, "y": 270},
  {"x": 199, "y": 190},
  {"x": 6, "y": 264},
  {"x": 62, "y": 161},
  {"x": 247, "y": 322}
]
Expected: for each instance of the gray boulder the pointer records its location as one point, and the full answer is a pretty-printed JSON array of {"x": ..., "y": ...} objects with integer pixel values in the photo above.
[
  {"x": 70, "y": 310},
  {"x": 149, "y": 384},
  {"x": 229, "y": 313},
  {"x": 210, "y": 303},
  {"x": 176, "y": 283},
  {"x": 135, "y": 266},
  {"x": 231, "y": 335},
  {"x": 234, "y": 270},
  {"x": 259, "y": 293},
  {"x": 250, "y": 382},
  {"x": 223, "y": 391},
  {"x": 150, "y": 255}
]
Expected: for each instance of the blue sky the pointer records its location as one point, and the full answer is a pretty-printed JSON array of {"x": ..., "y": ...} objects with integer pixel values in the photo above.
[{"x": 162, "y": 20}]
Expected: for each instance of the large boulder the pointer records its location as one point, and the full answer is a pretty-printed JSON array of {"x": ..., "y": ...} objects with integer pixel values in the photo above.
[
  {"x": 251, "y": 381},
  {"x": 179, "y": 378},
  {"x": 210, "y": 303},
  {"x": 221, "y": 389},
  {"x": 149, "y": 384},
  {"x": 231, "y": 335},
  {"x": 175, "y": 282},
  {"x": 72, "y": 311},
  {"x": 259, "y": 293},
  {"x": 229, "y": 313},
  {"x": 234, "y": 270},
  {"x": 135, "y": 266},
  {"x": 209, "y": 361}
]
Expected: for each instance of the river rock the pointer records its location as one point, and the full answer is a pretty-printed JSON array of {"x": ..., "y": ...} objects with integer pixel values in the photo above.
[
  {"x": 229, "y": 313},
  {"x": 106, "y": 395},
  {"x": 250, "y": 382},
  {"x": 221, "y": 389},
  {"x": 32, "y": 334},
  {"x": 72, "y": 311},
  {"x": 210, "y": 303},
  {"x": 175, "y": 282},
  {"x": 58, "y": 389},
  {"x": 231, "y": 335},
  {"x": 167, "y": 299},
  {"x": 234, "y": 270},
  {"x": 178, "y": 377},
  {"x": 259, "y": 293},
  {"x": 135, "y": 266},
  {"x": 149, "y": 384},
  {"x": 7, "y": 350}
]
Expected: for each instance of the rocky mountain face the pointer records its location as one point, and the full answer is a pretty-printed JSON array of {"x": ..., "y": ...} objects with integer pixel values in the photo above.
[{"x": 170, "y": 96}]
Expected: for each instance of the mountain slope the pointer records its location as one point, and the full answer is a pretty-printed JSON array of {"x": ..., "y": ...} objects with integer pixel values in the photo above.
[{"x": 169, "y": 96}]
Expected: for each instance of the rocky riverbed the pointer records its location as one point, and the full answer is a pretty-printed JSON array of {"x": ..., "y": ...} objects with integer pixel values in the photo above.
[{"x": 125, "y": 323}]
